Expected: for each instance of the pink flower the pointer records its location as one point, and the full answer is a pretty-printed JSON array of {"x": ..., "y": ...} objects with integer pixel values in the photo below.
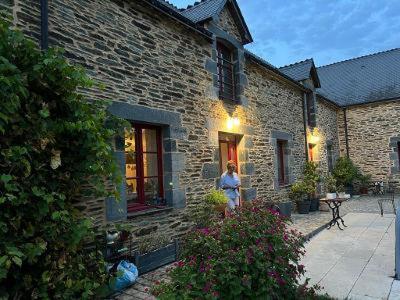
[{"x": 207, "y": 287}]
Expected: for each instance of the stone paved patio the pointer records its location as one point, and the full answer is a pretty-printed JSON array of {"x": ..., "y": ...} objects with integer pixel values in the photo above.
[
  {"x": 309, "y": 225},
  {"x": 356, "y": 263}
]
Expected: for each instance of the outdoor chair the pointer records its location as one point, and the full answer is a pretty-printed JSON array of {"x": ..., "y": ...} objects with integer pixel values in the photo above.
[{"x": 387, "y": 195}]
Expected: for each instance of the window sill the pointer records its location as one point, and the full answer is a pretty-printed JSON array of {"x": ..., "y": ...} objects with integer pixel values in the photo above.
[
  {"x": 285, "y": 185},
  {"x": 148, "y": 212}
]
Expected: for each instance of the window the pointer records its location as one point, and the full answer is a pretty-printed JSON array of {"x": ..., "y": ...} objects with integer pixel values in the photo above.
[
  {"x": 282, "y": 164},
  {"x": 143, "y": 161},
  {"x": 329, "y": 154},
  {"x": 398, "y": 153},
  {"x": 226, "y": 76},
  {"x": 310, "y": 110}
]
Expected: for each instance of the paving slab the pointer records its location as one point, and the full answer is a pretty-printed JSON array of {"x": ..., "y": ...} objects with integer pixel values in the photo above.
[{"x": 359, "y": 261}]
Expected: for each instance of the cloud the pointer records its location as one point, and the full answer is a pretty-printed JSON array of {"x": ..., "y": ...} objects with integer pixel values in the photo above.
[{"x": 286, "y": 31}]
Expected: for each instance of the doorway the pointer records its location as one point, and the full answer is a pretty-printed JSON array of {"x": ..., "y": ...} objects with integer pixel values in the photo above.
[{"x": 228, "y": 150}]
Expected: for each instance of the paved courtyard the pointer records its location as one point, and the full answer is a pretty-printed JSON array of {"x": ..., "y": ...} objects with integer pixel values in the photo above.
[{"x": 358, "y": 262}]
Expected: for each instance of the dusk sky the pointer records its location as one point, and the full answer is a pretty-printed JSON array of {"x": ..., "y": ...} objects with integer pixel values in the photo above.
[{"x": 286, "y": 31}]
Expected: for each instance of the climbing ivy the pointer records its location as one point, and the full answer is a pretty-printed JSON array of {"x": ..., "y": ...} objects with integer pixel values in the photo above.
[{"x": 53, "y": 145}]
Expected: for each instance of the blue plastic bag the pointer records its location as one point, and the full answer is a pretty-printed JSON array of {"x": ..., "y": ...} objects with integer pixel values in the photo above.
[{"x": 127, "y": 273}]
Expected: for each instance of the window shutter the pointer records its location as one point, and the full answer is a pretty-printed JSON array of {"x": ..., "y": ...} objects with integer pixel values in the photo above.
[{"x": 116, "y": 210}]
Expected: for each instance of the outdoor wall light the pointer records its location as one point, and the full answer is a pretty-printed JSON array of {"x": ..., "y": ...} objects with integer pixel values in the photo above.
[{"x": 232, "y": 122}]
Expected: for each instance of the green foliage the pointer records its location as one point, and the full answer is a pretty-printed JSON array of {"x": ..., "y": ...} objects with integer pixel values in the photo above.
[
  {"x": 216, "y": 197},
  {"x": 249, "y": 255},
  {"x": 364, "y": 180},
  {"x": 53, "y": 145},
  {"x": 311, "y": 177},
  {"x": 298, "y": 190},
  {"x": 345, "y": 171},
  {"x": 330, "y": 184}
]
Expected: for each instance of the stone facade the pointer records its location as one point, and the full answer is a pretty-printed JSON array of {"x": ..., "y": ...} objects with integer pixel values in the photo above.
[
  {"x": 159, "y": 71},
  {"x": 327, "y": 124},
  {"x": 373, "y": 133}
]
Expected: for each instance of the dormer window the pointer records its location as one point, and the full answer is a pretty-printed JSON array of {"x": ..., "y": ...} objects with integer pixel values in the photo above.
[{"x": 226, "y": 76}]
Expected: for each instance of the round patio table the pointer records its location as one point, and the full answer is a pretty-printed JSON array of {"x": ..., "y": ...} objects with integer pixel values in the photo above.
[{"x": 334, "y": 205}]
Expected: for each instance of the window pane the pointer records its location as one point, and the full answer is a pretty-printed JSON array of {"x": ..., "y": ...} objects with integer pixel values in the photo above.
[
  {"x": 130, "y": 163},
  {"x": 149, "y": 140},
  {"x": 150, "y": 164},
  {"x": 151, "y": 189},
  {"x": 130, "y": 140},
  {"x": 131, "y": 190}
]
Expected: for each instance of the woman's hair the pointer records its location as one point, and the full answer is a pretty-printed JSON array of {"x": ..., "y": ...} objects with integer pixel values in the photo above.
[{"x": 230, "y": 163}]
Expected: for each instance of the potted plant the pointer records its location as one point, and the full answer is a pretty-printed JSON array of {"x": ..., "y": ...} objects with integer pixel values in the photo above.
[
  {"x": 311, "y": 180},
  {"x": 345, "y": 172},
  {"x": 330, "y": 187},
  {"x": 363, "y": 181},
  {"x": 341, "y": 191},
  {"x": 217, "y": 199},
  {"x": 298, "y": 192}
]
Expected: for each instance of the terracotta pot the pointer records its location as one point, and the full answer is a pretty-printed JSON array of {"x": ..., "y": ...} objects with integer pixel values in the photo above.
[{"x": 220, "y": 208}]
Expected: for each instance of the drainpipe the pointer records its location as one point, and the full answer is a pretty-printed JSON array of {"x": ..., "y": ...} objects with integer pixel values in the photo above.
[
  {"x": 44, "y": 24},
  {"x": 305, "y": 126},
  {"x": 346, "y": 135}
]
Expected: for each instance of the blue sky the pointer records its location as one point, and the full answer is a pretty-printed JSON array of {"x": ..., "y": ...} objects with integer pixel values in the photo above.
[{"x": 286, "y": 31}]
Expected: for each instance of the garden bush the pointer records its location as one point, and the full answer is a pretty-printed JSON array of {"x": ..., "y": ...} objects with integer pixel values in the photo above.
[
  {"x": 53, "y": 143},
  {"x": 248, "y": 255},
  {"x": 345, "y": 172}
]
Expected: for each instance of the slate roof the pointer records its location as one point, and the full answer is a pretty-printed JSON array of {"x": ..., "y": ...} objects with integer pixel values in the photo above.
[
  {"x": 370, "y": 78},
  {"x": 298, "y": 71},
  {"x": 203, "y": 10}
]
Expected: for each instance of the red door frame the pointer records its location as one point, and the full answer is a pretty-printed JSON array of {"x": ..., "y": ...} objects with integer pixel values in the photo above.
[{"x": 140, "y": 167}]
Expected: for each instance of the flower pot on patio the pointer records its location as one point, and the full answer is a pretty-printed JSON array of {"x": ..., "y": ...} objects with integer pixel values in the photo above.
[
  {"x": 303, "y": 207},
  {"x": 314, "y": 204},
  {"x": 330, "y": 196},
  {"x": 285, "y": 208}
]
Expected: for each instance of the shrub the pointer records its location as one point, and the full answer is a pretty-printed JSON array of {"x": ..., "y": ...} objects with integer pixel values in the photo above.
[
  {"x": 249, "y": 255},
  {"x": 345, "y": 172},
  {"x": 216, "y": 197},
  {"x": 298, "y": 190},
  {"x": 53, "y": 143},
  {"x": 311, "y": 177},
  {"x": 330, "y": 184}
]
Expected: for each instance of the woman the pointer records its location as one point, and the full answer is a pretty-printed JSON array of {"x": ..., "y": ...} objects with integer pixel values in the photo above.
[{"x": 230, "y": 183}]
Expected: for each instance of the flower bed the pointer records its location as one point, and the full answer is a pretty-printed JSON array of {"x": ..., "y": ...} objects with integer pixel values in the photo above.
[{"x": 251, "y": 254}]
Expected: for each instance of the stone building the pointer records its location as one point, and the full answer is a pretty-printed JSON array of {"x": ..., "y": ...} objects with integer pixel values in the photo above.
[{"x": 195, "y": 98}]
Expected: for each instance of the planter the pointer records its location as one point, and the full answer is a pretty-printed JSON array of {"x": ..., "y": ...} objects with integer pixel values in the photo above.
[
  {"x": 349, "y": 189},
  {"x": 364, "y": 190},
  {"x": 150, "y": 261},
  {"x": 285, "y": 208},
  {"x": 330, "y": 196},
  {"x": 220, "y": 208},
  {"x": 314, "y": 206},
  {"x": 303, "y": 207}
]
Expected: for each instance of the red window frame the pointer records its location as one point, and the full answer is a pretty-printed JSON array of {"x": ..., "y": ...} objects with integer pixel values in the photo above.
[
  {"x": 140, "y": 203},
  {"x": 225, "y": 65},
  {"x": 281, "y": 145}
]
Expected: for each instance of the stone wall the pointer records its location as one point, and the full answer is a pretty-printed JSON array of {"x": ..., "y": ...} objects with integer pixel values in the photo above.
[
  {"x": 154, "y": 64},
  {"x": 275, "y": 106},
  {"x": 373, "y": 132},
  {"x": 227, "y": 23},
  {"x": 327, "y": 124}
]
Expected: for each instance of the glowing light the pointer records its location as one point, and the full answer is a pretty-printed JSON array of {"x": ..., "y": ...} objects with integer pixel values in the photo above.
[
  {"x": 229, "y": 123},
  {"x": 236, "y": 121}
]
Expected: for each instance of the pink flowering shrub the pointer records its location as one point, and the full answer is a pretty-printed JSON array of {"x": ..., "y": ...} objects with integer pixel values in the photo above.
[{"x": 249, "y": 255}]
